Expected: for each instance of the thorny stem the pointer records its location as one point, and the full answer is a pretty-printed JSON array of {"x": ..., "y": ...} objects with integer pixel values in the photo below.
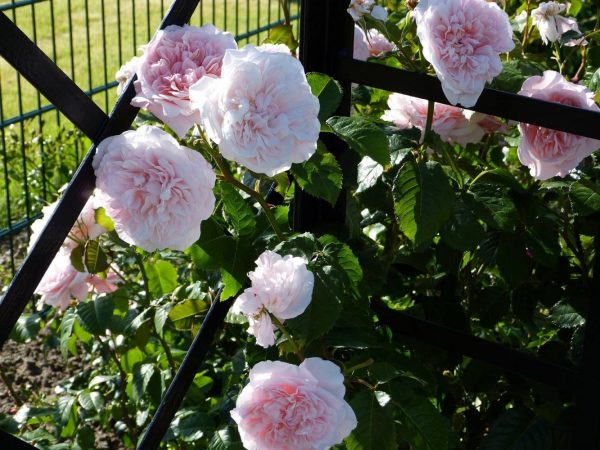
[
  {"x": 286, "y": 11},
  {"x": 359, "y": 366},
  {"x": 7, "y": 381},
  {"x": 122, "y": 387},
  {"x": 557, "y": 57},
  {"x": 526, "y": 31},
  {"x": 163, "y": 343},
  {"x": 286, "y": 333},
  {"x": 228, "y": 176}
]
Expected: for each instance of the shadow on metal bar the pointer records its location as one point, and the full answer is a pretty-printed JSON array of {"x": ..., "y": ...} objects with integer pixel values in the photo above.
[
  {"x": 497, "y": 103},
  {"x": 461, "y": 343}
]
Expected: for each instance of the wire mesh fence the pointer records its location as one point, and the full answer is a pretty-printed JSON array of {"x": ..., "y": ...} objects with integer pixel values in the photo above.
[{"x": 89, "y": 40}]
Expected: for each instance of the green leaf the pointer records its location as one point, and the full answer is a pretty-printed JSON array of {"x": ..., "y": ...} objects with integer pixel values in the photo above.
[
  {"x": 543, "y": 244},
  {"x": 103, "y": 220},
  {"x": 66, "y": 415},
  {"x": 514, "y": 73},
  {"x": 517, "y": 429},
  {"x": 188, "y": 308},
  {"x": 95, "y": 316},
  {"x": 26, "y": 328},
  {"x": 320, "y": 176},
  {"x": 424, "y": 426},
  {"x": 225, "y": 439},
  {"x": 142, "y": 375},
  {"x": 192, "y": 427},
  {"x": 585, "y": 198},
  {"x": 494, "y": 206},
  {"x": 160, "y": 318},
  {"x": 302, "y": 245},
  {"x": 342, "y": 257},
  {"x": 575, "y": 7},
  {"x": 283, "y": 34},
  {"x": 363, "y": 136},
  {"x": 513, "y": 263},
  {"x": 462, "y": 231},
  {"x": 424, "y": 200},
  {"x": 369, "y": 172},
  {"x": 77, "y": 258},
  {"x": 66, "y": 331},
  {"x": 327, "y": 90},
  {"x": 237, "y": 210},
  {"x": 376, "y": 427},
  {"x": 91, "y": 400},
  {"x": 564, "y": 315},
  {"x": 162, "y": 277},
  {"x": 325, "y": 306},
  {"x": 569, "y": 35},
  {"x": 231, "y": 286},
  {"x": 94, "y": 258}
]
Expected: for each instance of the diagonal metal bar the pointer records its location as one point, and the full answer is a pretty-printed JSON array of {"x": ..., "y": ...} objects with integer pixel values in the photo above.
[
  {"x": 497, "y": 103},
  {"x": 454, "y": 341},
  {"x": 77, "y": 193},
  {"x": 29, "y": 60},
  {"x": 185, "y": 375},
  {"x": 10, "y": 442}
]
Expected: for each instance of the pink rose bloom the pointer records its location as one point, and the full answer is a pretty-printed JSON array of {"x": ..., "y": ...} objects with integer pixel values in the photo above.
[
  {"x": 359, "y": 8},
  {"x": 261, "y": 112},
  {"x": 462, "y": 39},
  {"x": 275, "y": 48},
  {"x": 156, "y": 191},
  {"x": 125, "y": 73},
  {"x": 285, "y": 407},
  {"x": 361, "y": 46},
  {"x": 378, "y": 43},
  {"x": 281, "y": 286},
  {"x": 104, "y": 285},
  {"x": 84, "y": 229},
  {"x": 62, "y": 282},
  {"x": 552, "y": 25},
  {"x": 452, "y": 124},
  {"x": 549, "y": 152},
  {"x": 173, "y": 60}
]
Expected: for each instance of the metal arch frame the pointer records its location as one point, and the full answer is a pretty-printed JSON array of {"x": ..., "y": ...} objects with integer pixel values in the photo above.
[{"x": 328, "y": 51}]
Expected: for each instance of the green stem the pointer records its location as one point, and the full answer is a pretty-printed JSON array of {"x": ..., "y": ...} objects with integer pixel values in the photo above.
[
  {"x": 285, "y": 332},
  {"x": 481, "y": 174},
  {"x": 361, "y": 365},
  {"x": 526, "y": 31},
  {"x": 168, "y": 353},
  {"x": 286, "y": 11},
  {"x": 7, "y": 381},
  {"x": 228, "y": 176},
  {"x": 557, "y": 57},
  {"x": 140, "y": 263}
]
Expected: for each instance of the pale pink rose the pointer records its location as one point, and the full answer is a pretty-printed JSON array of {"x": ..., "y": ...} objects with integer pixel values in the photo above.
[
  {"x": 552, "y": 25},
  {"x": 125, "y": 73},
  {"x": 84, "y": 229},
  {"x": 452, "y": 124},
  {"x": 104, "y": 285},
  {"x": 359, "y": 8},
  {"x": 462, "y": 39},
  {"x": 62, "y": 282},
  {"x": 261, "y": 112},
  {"x": 156, "y": 191},
  {"x": 173, "y": 60},
  {"x": 549, "y": 152},
  {"x": 281, "y": 286},
  {"x": 361, "y": 46},
  {"x": 275, "y": 48},
  {"x": 378, "y": 43},
  {"x": 286, "y": 407}
]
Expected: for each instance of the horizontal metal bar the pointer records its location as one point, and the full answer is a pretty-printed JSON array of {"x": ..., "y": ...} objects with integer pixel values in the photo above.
[
  {"x": 264, "y": 28},
  {"x": 15, "y": 5},
  {"x": 497, "y": 103},
  {"x": 21, "y": 224},
  {"x": 20, "y": 52},
  {"x": 460, "y": 343},
  {"x": 10, "y": 442},
  {"x": 46, "y": 108},
  {"x": 185, "y": 375}
]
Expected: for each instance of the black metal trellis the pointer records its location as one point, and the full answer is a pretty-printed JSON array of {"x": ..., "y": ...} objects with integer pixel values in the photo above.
[{"x": 326, "y": 46}]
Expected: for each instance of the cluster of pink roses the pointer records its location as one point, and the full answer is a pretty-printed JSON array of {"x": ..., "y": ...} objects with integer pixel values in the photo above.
[{"x": 62, "y": 282}]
